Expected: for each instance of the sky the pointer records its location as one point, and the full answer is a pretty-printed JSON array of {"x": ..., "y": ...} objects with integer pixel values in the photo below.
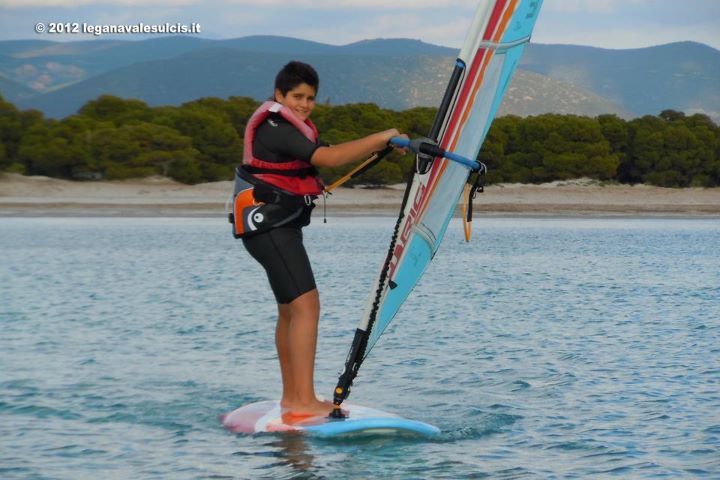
[{"x": 616, "y": 24}]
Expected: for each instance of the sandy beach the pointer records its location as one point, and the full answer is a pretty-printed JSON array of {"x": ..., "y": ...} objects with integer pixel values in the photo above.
[{"x": 22, "y": 196}]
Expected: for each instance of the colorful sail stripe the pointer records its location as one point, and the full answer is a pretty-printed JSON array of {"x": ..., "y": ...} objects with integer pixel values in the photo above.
[
  {"x": 485, "y": 56},
  {"x": 475, "y": 77},
  {"x": 503, "y": 9}
]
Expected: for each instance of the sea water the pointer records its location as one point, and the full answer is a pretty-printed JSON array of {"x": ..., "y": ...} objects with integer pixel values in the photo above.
[{"x": 545, "y": 348}]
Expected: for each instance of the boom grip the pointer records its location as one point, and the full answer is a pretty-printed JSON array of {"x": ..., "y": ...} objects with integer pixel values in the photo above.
[
  {"x": 423, "y": 147},
  {"x": 418, "y": 145}
]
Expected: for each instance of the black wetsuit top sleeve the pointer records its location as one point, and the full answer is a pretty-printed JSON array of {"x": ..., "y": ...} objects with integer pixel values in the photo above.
[{"x": 277, "y": 141}]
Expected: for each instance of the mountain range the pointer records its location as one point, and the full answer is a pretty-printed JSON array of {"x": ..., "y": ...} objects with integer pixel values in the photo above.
[{"x": 59, "y": 77}]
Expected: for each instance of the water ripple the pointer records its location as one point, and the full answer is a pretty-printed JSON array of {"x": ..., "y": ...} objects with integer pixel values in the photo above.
[{"x": 547, "y": 348}]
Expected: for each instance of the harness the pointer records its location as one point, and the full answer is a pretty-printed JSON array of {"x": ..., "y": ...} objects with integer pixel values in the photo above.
[{"x": 259, "y": 206}]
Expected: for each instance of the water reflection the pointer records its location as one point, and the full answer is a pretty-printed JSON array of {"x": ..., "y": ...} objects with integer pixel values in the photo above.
[{"x": 296, "y": 451}]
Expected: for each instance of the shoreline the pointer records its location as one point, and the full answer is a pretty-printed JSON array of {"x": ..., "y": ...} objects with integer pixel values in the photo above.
[{"x": 22, "y": 196}]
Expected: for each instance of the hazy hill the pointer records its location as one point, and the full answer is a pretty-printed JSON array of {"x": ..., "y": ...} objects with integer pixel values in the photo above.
[
  {"x": 13, "y": 91},
  {"x": 394, "y": 73},
  {"x": 283, "y": 45},
  {"x": 45, "y": 66},
  {"x": 393, "y": 82},
  {"x": 530, "y": 93},
  {"x": 683, "y": 76}
]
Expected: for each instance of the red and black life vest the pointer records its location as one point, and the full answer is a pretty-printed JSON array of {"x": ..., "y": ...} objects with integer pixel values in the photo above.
[{"x": 296, "y": 176}]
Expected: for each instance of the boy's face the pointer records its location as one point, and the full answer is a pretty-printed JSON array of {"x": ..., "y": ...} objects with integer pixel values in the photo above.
[{"x": 300, "y": 100}]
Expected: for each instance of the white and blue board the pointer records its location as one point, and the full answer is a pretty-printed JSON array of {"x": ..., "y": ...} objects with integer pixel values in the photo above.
[{"x": 267, "y": 416}]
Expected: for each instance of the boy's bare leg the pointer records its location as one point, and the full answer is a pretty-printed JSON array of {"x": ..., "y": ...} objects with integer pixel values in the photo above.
[
  {"x": 296, "y": 340},
  {"x": 283, "y": 349}
]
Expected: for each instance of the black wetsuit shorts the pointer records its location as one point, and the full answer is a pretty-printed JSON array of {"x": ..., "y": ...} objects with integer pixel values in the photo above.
[{"x": 282, "y": 254}]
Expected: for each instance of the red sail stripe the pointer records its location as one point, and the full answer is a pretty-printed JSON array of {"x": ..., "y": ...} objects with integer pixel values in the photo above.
[{"x": 472, "y": 84}]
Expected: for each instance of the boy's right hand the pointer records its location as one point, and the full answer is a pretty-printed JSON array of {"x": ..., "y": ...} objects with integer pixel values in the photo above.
[{"x": 394, "y": 132}]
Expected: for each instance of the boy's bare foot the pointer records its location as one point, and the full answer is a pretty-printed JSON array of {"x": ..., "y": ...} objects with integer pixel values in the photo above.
[{"x": 305, "y": 410}]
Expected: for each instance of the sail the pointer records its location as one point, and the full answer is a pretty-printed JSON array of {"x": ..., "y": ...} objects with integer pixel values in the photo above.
[{"x": 484, "y": 68}]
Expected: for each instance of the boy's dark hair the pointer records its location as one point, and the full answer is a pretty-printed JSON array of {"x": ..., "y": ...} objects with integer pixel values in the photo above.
[{"x": 295, "y": 73}]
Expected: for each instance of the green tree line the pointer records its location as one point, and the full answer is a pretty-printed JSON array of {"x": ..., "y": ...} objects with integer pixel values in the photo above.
[{"x": 201, "y": 141}]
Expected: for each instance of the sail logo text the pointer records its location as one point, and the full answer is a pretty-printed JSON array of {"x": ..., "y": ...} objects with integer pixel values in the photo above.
[{"x": 403, "y": 238}]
